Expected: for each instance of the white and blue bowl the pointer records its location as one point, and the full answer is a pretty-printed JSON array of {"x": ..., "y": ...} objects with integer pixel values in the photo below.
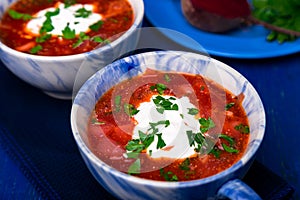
[
  {"x": 226, "y": 183},
  {"x": 56, "y": 75}
]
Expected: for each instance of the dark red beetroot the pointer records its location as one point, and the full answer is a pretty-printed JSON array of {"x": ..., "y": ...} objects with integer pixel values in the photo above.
[{"x": 216, "y": 15}]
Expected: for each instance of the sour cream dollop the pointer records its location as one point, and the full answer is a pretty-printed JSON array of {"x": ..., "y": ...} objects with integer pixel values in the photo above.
[
  {"x": 66, "y": 17},
  {"x": 174, "y": 135}
]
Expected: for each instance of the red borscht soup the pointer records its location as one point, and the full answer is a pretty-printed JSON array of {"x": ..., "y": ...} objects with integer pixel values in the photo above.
[
  {"x": 64, "y": 27},
  {"x": 169, "y": 126}
]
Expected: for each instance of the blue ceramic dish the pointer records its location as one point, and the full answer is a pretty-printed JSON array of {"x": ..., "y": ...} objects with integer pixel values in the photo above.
[
  {"x": 56, "y": 75},
  {"x": 123, "y": 186}
]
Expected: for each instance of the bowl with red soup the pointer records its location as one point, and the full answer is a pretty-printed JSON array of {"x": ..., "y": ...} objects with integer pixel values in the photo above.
[
  {"x": 46, "y": 43},
  {"x": 169, "y": 125}
]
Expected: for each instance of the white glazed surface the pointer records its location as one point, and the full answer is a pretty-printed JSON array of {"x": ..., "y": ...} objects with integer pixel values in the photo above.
[
  {"x": 125, "y": 186},
  {"x": 56, "y": 75}
]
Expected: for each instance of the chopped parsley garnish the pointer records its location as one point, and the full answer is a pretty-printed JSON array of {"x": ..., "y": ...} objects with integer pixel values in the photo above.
[
  {"x": 16, "y": 15},
  {"x": 135, "y": 146},
  {"x": 95, "y": 121},
  {"x": 118, "y": 103},
  {"x": 159, "y": 87},
  {"x": 206, "y": 124},
  {"x": 185, "y": 165},
  {"x": 100, "y": 40},
  {"x": 229, "y": 105},
  {"x": 43, "y": 38},
  {"x": 50, "y": 14},
  {"x": 228, "y": 138},
  {"x": 96, "y": 26},
  {"x": 202, "y": 88},
  {"x": 135, "y": 167},
  {"x": 36, "y": 49},
  {"x": 69, "y": 3},
  {"x": 229, "y": 149},
  {"x": 168, "y": 176},
  {"x": 242, "y": 128},
  {"x": 215, "y": 151},
  {"x": 130, "y": 110},
  {"x": 167, "y": 77},
  {"x": 82, "y": 12},
  {"x": 193, "y": 111},
  {"x": 160, "y": 143},
  {"x": 196, "y": 140},
  {"x": 47, "y": 26},
  {"x": 163, "y": 104},
  {"x": 81, "y": 39},
  {"x": 146, "y": 139},
  {"x": 68, "y": 33}
]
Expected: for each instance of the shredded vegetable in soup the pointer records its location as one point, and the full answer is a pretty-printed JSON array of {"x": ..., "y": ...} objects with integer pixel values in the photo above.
[
  {"x": 169, "y": 126},
  {"x": 64, "y": 27}
]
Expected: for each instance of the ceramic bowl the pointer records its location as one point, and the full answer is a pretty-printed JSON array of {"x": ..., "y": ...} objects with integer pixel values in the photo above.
[
  {"x": 55, "y": 75},
  {"x": 226, "y": 183}
]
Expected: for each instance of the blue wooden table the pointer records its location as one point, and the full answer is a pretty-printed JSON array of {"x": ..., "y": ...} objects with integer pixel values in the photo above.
[{"x": 30, "y": 119}]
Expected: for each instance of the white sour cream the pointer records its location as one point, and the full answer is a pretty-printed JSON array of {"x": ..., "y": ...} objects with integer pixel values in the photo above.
[
  {"x": 174, "y": 136},
  {"x": 65, "y": 16}
]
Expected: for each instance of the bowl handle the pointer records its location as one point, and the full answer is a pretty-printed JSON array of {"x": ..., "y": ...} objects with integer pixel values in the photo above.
[{"x": 237, "y": 189}]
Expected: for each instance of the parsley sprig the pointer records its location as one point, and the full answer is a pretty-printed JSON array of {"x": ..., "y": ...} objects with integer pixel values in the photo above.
[
  {"x": 82, "y": 12},
  {"x": 159, "y": 87},
  {"x": 135, "y": 146},
  {"x": 17, "y": 15},
  {"x": 163, "y": 104}
]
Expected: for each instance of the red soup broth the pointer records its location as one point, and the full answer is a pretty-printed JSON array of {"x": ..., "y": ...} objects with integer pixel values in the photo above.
[
  {"x": 116, "y": 17},
  {"x": 219, "y": 112}
]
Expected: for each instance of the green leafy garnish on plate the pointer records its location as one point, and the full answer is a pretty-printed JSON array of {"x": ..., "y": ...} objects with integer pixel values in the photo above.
[{"x": 284, "y": 15}]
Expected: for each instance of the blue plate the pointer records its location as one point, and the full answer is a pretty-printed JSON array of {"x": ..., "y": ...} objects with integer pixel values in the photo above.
[{"x": 248, "y": 42}]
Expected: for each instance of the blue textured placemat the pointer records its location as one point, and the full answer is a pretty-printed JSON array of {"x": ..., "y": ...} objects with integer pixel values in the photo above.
[{"x": 35, "y": 133}]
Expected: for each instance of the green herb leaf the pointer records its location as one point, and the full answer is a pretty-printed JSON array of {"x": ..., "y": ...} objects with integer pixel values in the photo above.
[
  {"x": 216, "y": 152},
  {"x": 16, "y": 15},
  {"x": 167, "y": 77},
  {"x": 206, "y": 124},
  {"x": 160, "y": 143},
  {"x": 43, "y": 38},
  {"x": 168, "y": 176},
  {"x": 229, "y": 149},
  {"x": 163, "y": 104},
  {"x": 50, "y": 14},
  {"x": 159, "y": 87},
  {"x": 96, "y": 26},
  {"x": 146, "y": 139},
  {"x": 36, "y": 49},
  {"x": 185, "y": 165},
  {"x": 228, "y": 138},
  {"x": 68, "y": 33},
  {"x": 95, "y": 121},
  {"x": 242, "y": 128},
  {"x": 130, "y": 110},
  {"x": 118, "y": 103},
  {"x": 283, "y": 14},
  {"x": 47, "y": 26},
  {"x": 135, "y": 167},
  {"x": 69, "y": 3},
  {"x": 229, "y": 105},
  {"x": 195, "y": 139},
  {"x": 81, "y": 39},
  {"x": 82, "y": 12},
  {"x": 193, "y": 111},
  {"x": 134, "y": 145}
]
